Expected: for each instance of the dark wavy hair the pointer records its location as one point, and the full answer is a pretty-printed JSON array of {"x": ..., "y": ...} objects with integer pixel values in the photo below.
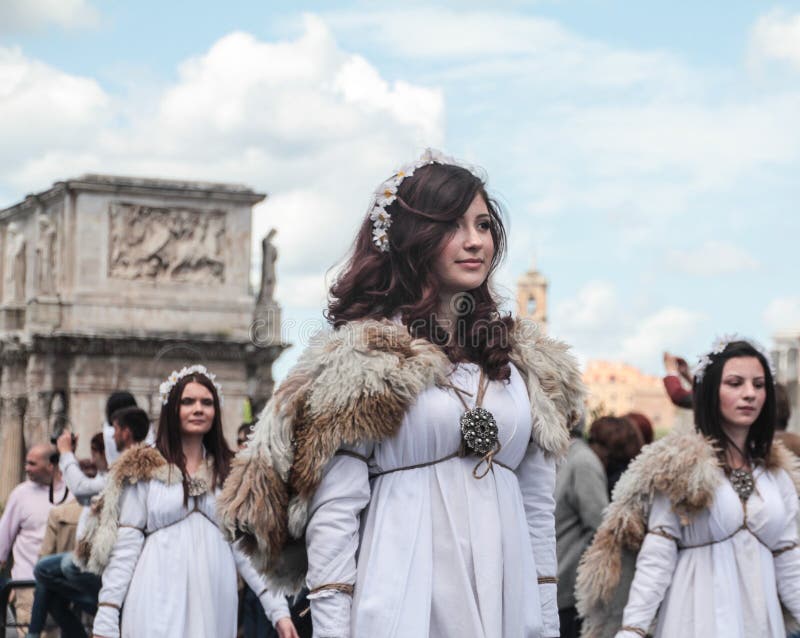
[
  {"x": 168, "y": 437},
  {"x": 375, "y": 284},
  {"x": 707, "y": 417}
]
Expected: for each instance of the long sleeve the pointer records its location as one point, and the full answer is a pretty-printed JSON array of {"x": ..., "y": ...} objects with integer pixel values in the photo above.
[
  {"x": 119, "y": 571},
  {"x": 274, "y": 606},
  {"x": 537, "y": 480},
  {"x": 679, "y": 395},
  {"x": 9, "y": 525},
  {"x": 787, "y": 552},
  {"x": 332, "y": 541},
  {"x": 83, "y": 487},
  {"x": 654, "y": 567}
]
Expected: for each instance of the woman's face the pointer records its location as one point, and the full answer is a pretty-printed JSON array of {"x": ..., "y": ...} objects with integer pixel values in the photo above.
[
  {"x": 742, "y": 392},
  {"x": 196, "y": 409},
  {"x": 466, "y": 255}
]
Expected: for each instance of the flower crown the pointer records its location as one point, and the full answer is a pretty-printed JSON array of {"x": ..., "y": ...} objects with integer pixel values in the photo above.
[
  {"x": 386, "y": 194},
  {"x": 166, "y": 387},
  {"x": 718, "y": 347}
]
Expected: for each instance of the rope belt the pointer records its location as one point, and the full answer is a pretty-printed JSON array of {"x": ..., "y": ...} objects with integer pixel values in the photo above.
[
  {"x": 196, "y": 510},
  {"x": 488, "y": 459},
  {"x": 743, "y": 527}
]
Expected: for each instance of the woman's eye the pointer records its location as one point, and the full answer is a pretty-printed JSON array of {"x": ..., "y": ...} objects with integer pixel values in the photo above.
[
  {"x": 208, "y": 402},
  {"x": 485, "y": 225}
]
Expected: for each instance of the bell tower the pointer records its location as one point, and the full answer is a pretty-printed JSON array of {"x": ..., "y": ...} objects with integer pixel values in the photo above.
[{"x": 532, "y": 297}]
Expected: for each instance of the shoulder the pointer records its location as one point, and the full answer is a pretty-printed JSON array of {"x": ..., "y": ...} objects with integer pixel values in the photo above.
[
  {"x": 140, "y": 463},
  {"x": 361, "y": 357},
  {"x": 785, "y": 465},
  {"x": 683, "y": 466}
]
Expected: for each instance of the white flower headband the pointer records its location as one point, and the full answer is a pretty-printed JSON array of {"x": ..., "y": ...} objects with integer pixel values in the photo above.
[
  {"x": 718, "y": 347},
  {"x": 386, "y": 193},
  {"x": 166, "y": 387}
]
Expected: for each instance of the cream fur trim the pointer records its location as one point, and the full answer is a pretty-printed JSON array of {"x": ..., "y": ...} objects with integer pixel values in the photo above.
[{"x": 683, "y": 466}]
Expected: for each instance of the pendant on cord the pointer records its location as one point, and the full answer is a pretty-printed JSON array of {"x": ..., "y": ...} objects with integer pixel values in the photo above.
[
  {"x": 479, "y": 430},
  {"x": 742, "y": 482}
]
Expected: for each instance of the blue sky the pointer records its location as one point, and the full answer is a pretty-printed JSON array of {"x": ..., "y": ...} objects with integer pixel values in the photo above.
[{"x": 646, "y": 153}]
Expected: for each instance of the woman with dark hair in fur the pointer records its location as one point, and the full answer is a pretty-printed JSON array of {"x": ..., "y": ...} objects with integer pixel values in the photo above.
[
  {"x": 154, "y": 533},
  {"x": 711, "y": 515},
  {"x": 405, "y": 469}
]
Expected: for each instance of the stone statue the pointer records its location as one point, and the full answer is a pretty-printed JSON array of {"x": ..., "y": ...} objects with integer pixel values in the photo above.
[
  {"x": 269, "y": 254},
  {"x": 46, "y": 255},
  {"x": 15, "y": 262}
]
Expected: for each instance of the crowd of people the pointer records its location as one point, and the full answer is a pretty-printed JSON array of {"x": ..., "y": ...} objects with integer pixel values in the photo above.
[{"x": 425, "y": 470}]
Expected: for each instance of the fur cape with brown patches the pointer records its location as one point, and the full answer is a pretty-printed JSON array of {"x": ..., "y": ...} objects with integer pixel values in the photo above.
[
  {"x": 354, "y": 384},
  {"x": 684, "y": 466},
  {"x": 140, "y": 463}
]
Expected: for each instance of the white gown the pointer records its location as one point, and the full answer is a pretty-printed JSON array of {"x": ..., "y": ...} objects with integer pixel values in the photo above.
[
  {"x": 437, "y": 552},
  {"x": 178, "y": 580},
  {"x": 729, "y": 586}
]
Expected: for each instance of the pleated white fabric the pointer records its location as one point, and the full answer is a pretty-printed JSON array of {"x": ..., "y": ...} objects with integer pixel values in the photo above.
[
  {"x": 179, "y": 580},
  {"x": 440, "y": 553},
  {"x": 732, "y": 586}
]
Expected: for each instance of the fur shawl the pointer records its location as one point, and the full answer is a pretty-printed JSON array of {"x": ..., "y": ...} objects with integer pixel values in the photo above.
[
  {"x": 354, "y": 384},
  {"x": 140, "y": 463},
  {"x": 684, "y": 466}
]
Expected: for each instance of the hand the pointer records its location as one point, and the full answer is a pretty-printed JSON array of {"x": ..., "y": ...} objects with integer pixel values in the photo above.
[
  {"x": 285, "y": 628},
  {"x": 66, "y": 442},
  {"x": 684, "y": 371},
  {"x": 671, "y": 363}
]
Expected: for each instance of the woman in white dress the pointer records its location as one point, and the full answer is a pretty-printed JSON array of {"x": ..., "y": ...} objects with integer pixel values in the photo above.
[
  {"x": 720, "y": 554},
  {"x": 167, "y": 566},
  {"x": 412, "y": 450}
]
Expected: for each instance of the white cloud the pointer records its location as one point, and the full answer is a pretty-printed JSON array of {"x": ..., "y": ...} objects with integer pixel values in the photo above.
[
  {"x": 303, "y": 120},
  {"x": 25, "y": 15},
  {"x": 783, "y": 315},
  {"x": 776, "y": 36},
  {"x": 601, "y": 326},
  {"x": 43, "y": 109},
  {"x": 670, "y": 328},
  {"x": 713, "y": 257}
]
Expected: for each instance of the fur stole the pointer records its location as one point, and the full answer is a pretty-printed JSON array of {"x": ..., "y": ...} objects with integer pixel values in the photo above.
[
  {"x": 140, "y": 463},
  {"x": 355, "y": 384},
  {"x": 684, "y": 466}
]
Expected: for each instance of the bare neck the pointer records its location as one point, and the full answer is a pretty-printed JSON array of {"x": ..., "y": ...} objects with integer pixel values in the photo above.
[
  {"x": 192, "y": 452},
  {"x": 736, "y": 458}
]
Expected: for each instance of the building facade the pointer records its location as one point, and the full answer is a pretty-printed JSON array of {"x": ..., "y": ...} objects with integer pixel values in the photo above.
[
  {"x": 786, "y": 356},
  {"x": 110, "y": 283},
  {"x": 617, "y": 388}
]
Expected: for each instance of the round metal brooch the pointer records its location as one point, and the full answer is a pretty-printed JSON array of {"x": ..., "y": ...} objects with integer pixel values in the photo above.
[{"x": 479, "y": 430}]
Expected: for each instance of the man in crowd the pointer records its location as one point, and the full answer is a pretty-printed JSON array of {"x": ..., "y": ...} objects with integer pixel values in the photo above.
[
  {"x": 24, "y": 521},
  {"x": 581, "y": 496},
  {"x": 60, "y": 582}
]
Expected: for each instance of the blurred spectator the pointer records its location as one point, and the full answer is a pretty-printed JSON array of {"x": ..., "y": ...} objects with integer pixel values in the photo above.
[
  {"x": 245, "y": 429},
  {"x": 581, "y": 496},
  {"x": 783, "y": 411},
  {"x": 643, "y": 424},
  {"x": 24, "y": 521},
  {"x": 116, "y": 401},
  {"x": 97, "y": 448},
  {"x": 60, "y": 582},
  {"x": 677, "y": 369},
  {"x": 616, "y": 441}
]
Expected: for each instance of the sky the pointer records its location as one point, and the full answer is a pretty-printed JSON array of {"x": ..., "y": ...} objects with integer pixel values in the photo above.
[{"x": 646, "y": 154}]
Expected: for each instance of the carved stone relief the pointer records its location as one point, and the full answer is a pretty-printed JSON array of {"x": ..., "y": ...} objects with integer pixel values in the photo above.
[{"x": 166, "y": 244}]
